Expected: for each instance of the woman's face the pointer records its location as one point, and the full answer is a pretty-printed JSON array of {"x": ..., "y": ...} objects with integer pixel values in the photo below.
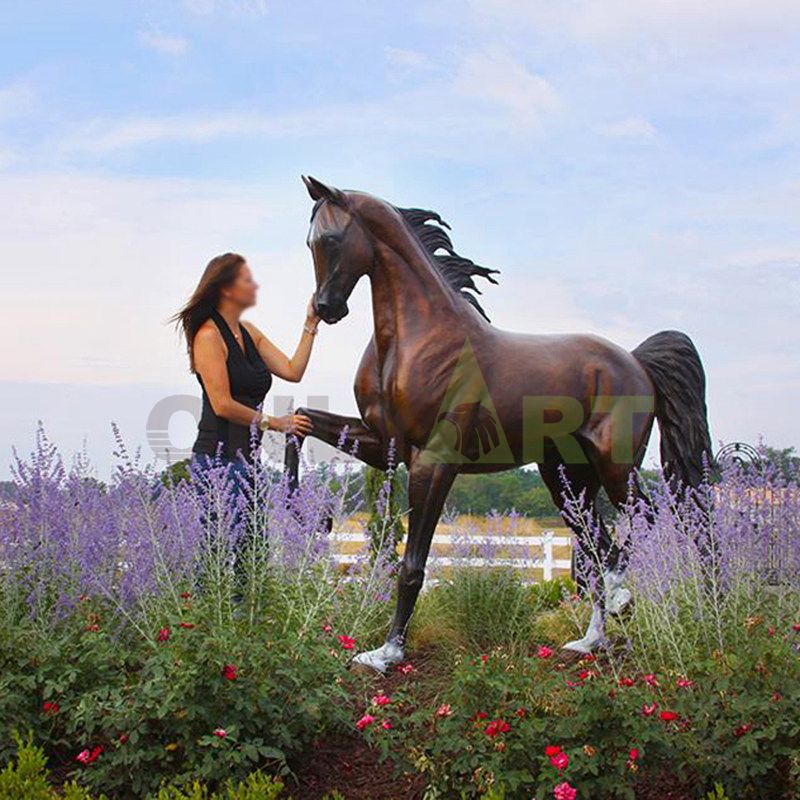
[{"x": 243, "y": 291}]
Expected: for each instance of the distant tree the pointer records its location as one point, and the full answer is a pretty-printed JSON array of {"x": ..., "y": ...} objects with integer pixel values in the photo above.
[
  {"x": 785, "y": 460},
  {"x": 519, "y": 489},
  {"x": 8, "y": 490},
  {"x": 177, "y": 472}
]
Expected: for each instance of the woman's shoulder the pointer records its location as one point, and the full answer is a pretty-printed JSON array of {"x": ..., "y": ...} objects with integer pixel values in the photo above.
[
  {"x": 208, "y": 334},
  {"x": 251, "y": 329}
]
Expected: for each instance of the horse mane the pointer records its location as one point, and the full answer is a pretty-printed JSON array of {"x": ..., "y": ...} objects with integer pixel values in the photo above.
[{"x": 455, "y": 269}]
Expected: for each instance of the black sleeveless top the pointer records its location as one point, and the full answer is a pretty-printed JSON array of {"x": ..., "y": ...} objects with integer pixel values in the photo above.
[{"x": 250, "y": 381}]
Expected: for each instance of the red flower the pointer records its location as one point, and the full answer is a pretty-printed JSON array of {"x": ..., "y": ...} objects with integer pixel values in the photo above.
[
  {"x": 484, "y": 658},
  {"x": 586, "y": 674},
  {"x": 220, "y": 733},
  {"x": 685, "y": 683},
  {"x": 347, "y": 642},
  {"x": 444, "y": 710},
  {"x": 544, "y": 651},
  {"x": 381, "y": 700},
  {"x": 649, "y": 710},
  {"x": 188, "y": 625},
  {"x": 650, "y": 680},
  {"x": 589, "y": 658},
  {"x": 51, "y": 708},
  {"x": 770, "y": 631},
  {"x": 185, "y": 595},
  {"x": 327, "y": 628},
  {"x": 742, "y": 730},
  {"x": 86, "y": 757},
  {"x": 796, "y": 627},
  {"x": 365, "y": 721},
  {"x": 230, "y": 672},
  {"x": 626, "y": 681},
  {"x": 552, "y": 750},
  {"x": 495, "y": 727},
  {"x": 405, "y": 669},
  {"x": 386, "y": 725},
  {"x": 634, "y": 754},
  {"x": 776, "y": 697},
  {"x": 560, "y": 761},
  {"x": 669, "y": 716},
  {"x": 92, "y": 628},
  {"x": 164, "y": 634},
  {"x": 564, "y": 792},
  {"x": 521, "y": 712},
  {"x": 480, "y": 715},
  {"x": 123, "y": 738}
]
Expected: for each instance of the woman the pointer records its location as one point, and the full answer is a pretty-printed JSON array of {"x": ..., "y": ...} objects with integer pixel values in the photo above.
[{"x": 234, "y": 363}]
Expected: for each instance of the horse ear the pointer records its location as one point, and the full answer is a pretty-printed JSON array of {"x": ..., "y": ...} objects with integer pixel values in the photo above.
[{"x": 319, "y": 191}]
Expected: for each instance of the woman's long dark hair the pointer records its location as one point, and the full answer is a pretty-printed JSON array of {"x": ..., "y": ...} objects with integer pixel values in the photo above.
[{"x": 220, "y": 272}]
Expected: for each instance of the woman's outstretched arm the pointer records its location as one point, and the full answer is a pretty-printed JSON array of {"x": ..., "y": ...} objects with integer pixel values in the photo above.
[
  {"x": 290, "y": 369},
  {"x": 210, "y": 358}
]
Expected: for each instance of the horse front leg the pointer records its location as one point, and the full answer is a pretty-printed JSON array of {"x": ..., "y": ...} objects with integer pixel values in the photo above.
[
  {"x": 428, "y": 485},
  {"x": 348, "y": 434}
]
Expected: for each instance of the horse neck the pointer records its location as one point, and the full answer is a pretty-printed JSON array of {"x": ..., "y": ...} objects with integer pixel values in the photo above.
[{"x": 410, "y": 297}]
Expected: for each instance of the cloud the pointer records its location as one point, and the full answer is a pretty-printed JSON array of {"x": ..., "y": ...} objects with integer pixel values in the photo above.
[
  {"x": 401, "y": 57},
  {"x": 235, "y": 7},
  {"x": 704, "y": 27},
  {"x": 628, "y": 128},
  {"x": 161, "y": 43},
  {"x": 517, "y": 100},
  {"x": 497, "y": 78},
  {"x": 7, "y": 156},
  {"x": 16, "y": 99}
]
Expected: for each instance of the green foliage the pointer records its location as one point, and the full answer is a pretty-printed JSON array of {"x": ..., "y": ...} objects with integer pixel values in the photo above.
[
  {"x": 382, "y": 493},
  {"x": 717, "y": 793},
  {"x": 177, "y": 472},
  {"x": 477, "y": 609},
  {"x": 731, "y": 721},
  {"x": 255, "y": 787},
  {"x": 154, "y": 706},
  {"x": 521, "y": 490},
  {"x": 27, "y": 776}
]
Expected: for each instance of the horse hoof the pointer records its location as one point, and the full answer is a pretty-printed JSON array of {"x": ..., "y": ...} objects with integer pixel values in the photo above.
[
  {"x": 380, "y": 660},
  {"x": 618, "y": 597},
  {"x": 619, "y": 601},
  {"x": 581, "y": 646}
]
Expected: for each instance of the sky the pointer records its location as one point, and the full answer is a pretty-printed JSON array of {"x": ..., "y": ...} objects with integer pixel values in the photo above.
[{"x": 628, "y": 167}]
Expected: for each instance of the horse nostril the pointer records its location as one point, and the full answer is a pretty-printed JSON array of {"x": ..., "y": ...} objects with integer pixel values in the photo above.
[{"x": 322, "y": 308}]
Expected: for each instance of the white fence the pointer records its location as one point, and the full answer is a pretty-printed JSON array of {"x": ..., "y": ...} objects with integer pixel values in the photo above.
[{"x": 547, "y": 562}]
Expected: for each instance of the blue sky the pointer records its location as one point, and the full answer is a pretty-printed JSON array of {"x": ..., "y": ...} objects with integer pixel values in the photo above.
[{"x": 628, "y": 166}]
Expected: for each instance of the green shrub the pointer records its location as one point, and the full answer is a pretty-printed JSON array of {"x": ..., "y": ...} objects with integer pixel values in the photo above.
[
  {"x": 26, "y": 777},
  {"x": 731, "y": 721},
  {"x": 477, "y": 609},
  {"x": 154, "y": 706}
]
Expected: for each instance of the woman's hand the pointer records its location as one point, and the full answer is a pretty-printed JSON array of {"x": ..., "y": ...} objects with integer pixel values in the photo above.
[
  {"x": 312, "y": 320},
  {"x": 298, "y": 424}
]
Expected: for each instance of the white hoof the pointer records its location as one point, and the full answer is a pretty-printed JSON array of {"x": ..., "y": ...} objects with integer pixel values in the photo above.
[
  {"x": 618, "y": 597},
  {"x": 387, "y": 655},
  {"x": 584, "y": 646},
  {"x": 594, "y": 637}
]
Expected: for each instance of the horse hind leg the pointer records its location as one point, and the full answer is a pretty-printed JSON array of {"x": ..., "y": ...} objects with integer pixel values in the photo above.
[
  {"x": 582, "y": 479},
  {"x": 622, "y": 485}
]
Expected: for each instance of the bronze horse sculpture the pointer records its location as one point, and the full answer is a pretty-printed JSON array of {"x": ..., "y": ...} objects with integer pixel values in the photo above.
[{"x": 449, "y": 393}]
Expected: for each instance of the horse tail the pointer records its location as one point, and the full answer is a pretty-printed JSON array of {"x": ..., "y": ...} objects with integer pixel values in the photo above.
[{"x": 673, "y": 364}]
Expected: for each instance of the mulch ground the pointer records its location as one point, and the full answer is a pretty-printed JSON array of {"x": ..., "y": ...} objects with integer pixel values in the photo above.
[{"x": 346, "y": 764}]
